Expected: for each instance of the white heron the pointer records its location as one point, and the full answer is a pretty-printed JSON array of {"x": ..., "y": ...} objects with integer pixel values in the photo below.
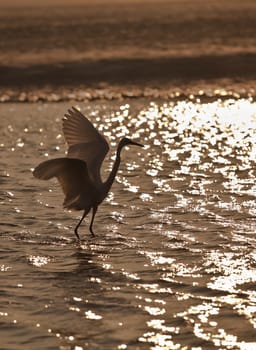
[{"x": 79, "y": 172}]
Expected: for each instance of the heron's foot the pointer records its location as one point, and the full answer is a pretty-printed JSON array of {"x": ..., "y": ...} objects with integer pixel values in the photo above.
[
  {"x": 92, "y": 233},
  {"x": 77, "y": 235}
]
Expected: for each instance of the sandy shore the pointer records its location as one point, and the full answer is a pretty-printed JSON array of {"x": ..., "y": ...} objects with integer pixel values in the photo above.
[{"x": 116, "y": 79}]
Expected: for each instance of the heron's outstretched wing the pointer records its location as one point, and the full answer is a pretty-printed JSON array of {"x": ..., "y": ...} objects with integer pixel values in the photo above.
[
  {"x": 85, "y": 142},
  {"x": 73, "y": 177}
]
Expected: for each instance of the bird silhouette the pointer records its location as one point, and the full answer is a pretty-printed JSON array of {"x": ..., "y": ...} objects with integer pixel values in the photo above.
[{"x": 79, "y": 172}]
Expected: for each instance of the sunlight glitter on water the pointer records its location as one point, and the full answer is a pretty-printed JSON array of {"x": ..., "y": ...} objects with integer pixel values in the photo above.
[
  {"x": 202, "y": 137},
  {"x": 38, "y": 261},
  {"x": 173, "y": 262},
  {"x": 235, "y": 270}
]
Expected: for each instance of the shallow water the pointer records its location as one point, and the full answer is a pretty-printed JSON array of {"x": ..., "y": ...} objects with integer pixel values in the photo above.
[{"x": 173, "y": 265}]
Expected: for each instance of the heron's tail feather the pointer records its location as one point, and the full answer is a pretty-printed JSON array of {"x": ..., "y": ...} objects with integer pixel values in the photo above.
[{"x": 74, "y": 203}]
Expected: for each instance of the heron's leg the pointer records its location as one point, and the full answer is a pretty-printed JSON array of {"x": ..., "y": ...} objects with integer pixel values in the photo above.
[
  {"x": 94, "y": 211},
  {"x": 82, "y": 218}
]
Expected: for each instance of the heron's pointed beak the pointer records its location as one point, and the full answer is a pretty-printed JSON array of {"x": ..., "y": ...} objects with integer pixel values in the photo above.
[{"x": 136, "y": 144}]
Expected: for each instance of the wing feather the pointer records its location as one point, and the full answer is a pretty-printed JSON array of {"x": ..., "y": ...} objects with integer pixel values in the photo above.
[
  {"x": 85, "y": 142},
  {"x": 72, "y": 174}
]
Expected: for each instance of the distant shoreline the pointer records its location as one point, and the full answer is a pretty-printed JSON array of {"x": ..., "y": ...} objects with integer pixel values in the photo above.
[
  {"x": 138, "y": 71},
  {"x": 205, "y": 76}
]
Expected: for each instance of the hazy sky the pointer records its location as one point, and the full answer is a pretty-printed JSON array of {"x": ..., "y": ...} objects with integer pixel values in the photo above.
[
  {"x": 7, "y": 3},
  {"x": 39, "y": 2}
]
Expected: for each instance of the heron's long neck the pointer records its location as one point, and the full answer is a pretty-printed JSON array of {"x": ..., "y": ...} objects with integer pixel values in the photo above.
[{"x": 114, "y": 170}]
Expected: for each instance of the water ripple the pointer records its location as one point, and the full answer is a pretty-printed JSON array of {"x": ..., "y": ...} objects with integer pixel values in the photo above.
[{"x": 173, "y": 263}]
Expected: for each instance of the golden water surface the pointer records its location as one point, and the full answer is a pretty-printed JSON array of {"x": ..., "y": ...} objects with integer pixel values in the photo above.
[{"x": 173, "y": 264}]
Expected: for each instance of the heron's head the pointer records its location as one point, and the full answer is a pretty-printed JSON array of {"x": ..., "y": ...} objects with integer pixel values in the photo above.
[{"x": 126, "y": 142}]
